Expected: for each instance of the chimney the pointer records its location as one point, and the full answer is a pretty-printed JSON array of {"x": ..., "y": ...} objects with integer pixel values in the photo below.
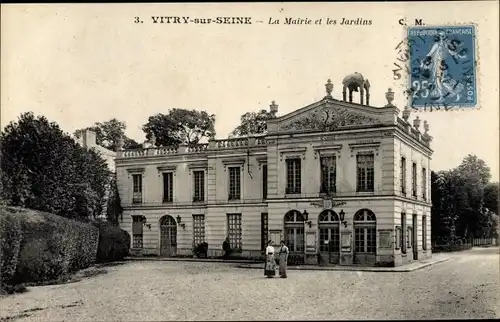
[{"x": 89, "y": 138}]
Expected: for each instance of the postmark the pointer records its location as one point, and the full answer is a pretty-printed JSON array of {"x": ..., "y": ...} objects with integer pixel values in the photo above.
[{"x": 442, "y": 67}]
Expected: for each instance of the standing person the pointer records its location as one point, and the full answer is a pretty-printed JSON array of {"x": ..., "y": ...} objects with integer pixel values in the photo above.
[
  {"x": 283, "y": 256},
  {"x": 226, "y": 247},
  {"x": 270, "y": 266}
]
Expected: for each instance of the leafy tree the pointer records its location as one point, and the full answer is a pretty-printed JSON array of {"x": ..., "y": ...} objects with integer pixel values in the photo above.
[
  {"x": 253, "y": 123},
  {"x": 109, "y": 133},
  {"x": 464, "y": 202},
  {"x": 179, "y": 125},
  {"x": 45, "y": 169},
  {"x": 442, "y": 216},
  {"x": 491, "y": 197},
  {"x": 114, "y": 209}
]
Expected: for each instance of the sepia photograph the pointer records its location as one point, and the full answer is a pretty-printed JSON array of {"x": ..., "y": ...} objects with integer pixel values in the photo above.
[{"x": 249, "y": 161}]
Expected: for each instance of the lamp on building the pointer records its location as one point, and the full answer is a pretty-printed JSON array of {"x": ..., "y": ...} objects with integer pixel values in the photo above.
[
  {"x": 144, "y": 222},
  {"x": 306, "y": 218},
  {"x": 180, "y": 223},
  {"x": 342, "y": 217}
]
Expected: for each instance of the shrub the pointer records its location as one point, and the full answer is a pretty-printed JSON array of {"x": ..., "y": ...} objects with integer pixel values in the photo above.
[
  {"x": 50, "y": 246},
  {"x": 201, "y": 250},
  {"x": 10, "y": 241},
  {"x": 114, "y": 243}
]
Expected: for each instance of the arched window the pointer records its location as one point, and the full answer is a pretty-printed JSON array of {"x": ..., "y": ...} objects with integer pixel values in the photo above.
[
  {"x": 168, "y": 236},
  {"x": 365, "y": 235},
  {"x": 329, "y": 237},
  {"x": 294, "y": 231}
]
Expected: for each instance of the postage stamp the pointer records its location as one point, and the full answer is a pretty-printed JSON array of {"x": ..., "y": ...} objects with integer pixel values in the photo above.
[{"x": 442, "y": 67}]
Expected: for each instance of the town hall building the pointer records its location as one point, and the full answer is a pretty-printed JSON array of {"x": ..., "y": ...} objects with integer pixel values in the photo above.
[{"x": 342, "y": 182}]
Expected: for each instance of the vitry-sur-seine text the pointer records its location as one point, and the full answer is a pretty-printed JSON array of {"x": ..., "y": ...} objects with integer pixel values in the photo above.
[{"x": 216, "y": 20}]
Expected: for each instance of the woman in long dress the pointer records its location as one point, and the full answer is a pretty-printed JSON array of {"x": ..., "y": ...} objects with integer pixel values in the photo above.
[
  {"x": 283, "y": 259},
  {"x": 270, "y": 266}
]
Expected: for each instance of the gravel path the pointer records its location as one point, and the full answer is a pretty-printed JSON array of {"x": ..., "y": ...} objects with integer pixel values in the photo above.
[{"x": 464, "y": 287}]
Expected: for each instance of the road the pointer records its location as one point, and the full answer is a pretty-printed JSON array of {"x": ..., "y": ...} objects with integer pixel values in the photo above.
[{"x": 465, "y": 287}]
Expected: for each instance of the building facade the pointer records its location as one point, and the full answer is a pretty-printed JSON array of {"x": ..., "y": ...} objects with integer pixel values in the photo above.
[{"x": 341, "y": 182}]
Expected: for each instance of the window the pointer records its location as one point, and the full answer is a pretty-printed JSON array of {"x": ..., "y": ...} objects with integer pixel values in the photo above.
[
  {"x": 199, "y": 186},
  {"x": 414, "y": 180},
  {"x": 403, "y": 233},
  {"x": 365, "y": 172},
  {"x": 365, "y": 232},
  {"x": 264, "y": 181},
  {"x": 398, "y": 237},
  {"x": 198, "y": 229},
  {"x": 403, "y": 176},
  {"x": 234, "y": 183},
  {"x": 137, "y": 183},
  {"x": 264, "y": 232},
  {"x": 293, "y": 175},
  {"x": 234, "y": 230},
  {"x": 329, "y": 238},
  {"x": 424, "y": 183},
  {"x": 137, "y": 231},
  {"x": 168, "y": 187},
  {"x": 328, "y": 174},
  {"x": 424, "y": 232},
  {"x": 294, "y": 231},
  {"x": 409, "y": 237}
]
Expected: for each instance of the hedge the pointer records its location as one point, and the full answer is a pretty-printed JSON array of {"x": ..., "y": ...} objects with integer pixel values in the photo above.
[
  {"x": 114, "y": 243},
  {"x": 39, "y": 246}
]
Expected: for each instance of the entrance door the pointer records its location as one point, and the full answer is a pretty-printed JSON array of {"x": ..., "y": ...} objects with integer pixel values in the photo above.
[
  {"x": 168, "y": 236},
  {"x": 365, "y": 237},
  {"x": 329, "y": 238},
  {"x": 294, "y": 236},
  {"x": 415, "y": 237}
]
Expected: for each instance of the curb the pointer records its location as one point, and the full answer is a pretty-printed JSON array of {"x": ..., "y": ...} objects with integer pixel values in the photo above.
[
  {"x": 356, "y": 269},
  {"x": 200, "y": 260}
]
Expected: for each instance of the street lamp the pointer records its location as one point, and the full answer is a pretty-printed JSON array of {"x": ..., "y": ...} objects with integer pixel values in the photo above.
[
  {"x": 306, "y": 218},
  {"x": 342, "y": 217},
  {"x": 180, "y": 223}
]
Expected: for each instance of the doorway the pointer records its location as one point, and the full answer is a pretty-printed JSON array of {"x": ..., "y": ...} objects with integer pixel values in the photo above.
[{"x": 168, "y": 236}]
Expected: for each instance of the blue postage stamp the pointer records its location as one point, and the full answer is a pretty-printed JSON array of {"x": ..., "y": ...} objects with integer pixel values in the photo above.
[{"x": 443, "y": 67}]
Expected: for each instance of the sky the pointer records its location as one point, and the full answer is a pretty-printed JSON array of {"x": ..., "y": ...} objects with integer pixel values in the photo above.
[{"x": 78, "y": 64}]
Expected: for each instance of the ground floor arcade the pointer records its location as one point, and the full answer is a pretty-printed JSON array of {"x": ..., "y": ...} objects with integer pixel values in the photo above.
[{"x": 357, "y": 232}]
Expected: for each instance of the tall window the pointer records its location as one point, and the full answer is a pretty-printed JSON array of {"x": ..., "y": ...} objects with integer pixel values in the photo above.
[
  {"x": 136, "y": 231},
  {"x": 234, "y": 230},
  {"x": 198, "y": 229},
  {"x": 294, "y": 231},
  {"x": 234, "y": 183},
  {"x": 137, "y": 183},
  {"x": 414, "y": 180},
  {"x": 199, "y": 186},
  {"x": 293, "y": 175},
  {"x": 403, "y": 176},
  {"x": 403, "y": 233},
  {"x": 365, "y": 232},
  {"x": 328, "y": 174},
  {"x": 329, "y": 238},
  {"x": 365, "y": 172},
  {"x": 168, "y": 187},
  {"x": 424, "y": 232},
  {"x": 264, "y": 233},
  {"x": 264, "y": 181},
  {"x": 424, "y": 183}
]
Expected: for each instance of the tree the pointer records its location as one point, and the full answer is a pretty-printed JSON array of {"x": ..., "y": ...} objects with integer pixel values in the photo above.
[
  {"x": 45, "y": 169},
  {"x": 491, "y": 197},
  {"x": 179, "y": 125},
  {"x": 464, "y": 202},
  {"x": 253, "y": 123},
  {"x": 109, "y": 133}
]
